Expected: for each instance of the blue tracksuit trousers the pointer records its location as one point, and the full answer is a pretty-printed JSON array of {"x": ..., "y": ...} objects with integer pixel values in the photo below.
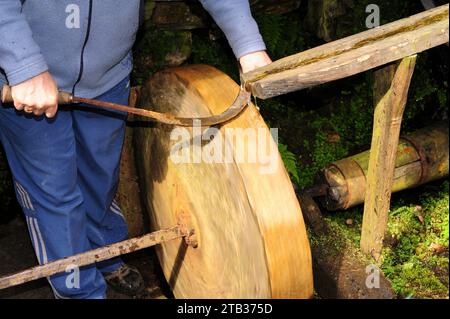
[{"x": 66, "y": 173}]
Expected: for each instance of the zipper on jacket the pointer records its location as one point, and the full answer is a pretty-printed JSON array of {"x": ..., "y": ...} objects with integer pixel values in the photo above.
[
  {"x": 88, "y": 31},
  {"x": 22, "y": 2}
]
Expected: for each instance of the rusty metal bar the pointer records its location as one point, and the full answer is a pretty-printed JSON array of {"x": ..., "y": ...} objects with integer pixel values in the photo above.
[{"x": 93, "y": 256}]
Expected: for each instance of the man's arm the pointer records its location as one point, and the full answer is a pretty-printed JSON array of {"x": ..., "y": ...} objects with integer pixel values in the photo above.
[
  {"x": 235, "y": 19},
  {"x": 25, "y": 67}
]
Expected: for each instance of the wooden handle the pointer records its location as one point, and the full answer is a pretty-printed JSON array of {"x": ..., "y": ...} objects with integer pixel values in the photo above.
[{"x": 63, "y": 97}]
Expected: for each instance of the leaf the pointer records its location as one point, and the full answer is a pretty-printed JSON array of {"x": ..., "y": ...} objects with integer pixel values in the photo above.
[{"x": 290, "y": 162}]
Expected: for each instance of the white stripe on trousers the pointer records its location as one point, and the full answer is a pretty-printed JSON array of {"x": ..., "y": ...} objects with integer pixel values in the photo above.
[
  {"x": 22, "y": 196},
  {"x": 35, "y": 240},
  {"x": 26, "y": 196},
  {"x": 37, "y": 235},
  {"x": 44, "y": 250},
  {"x": 116, "y": 209}
]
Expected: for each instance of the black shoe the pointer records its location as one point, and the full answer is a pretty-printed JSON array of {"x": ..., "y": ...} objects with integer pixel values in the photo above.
[{"x": 126, "y": 280}]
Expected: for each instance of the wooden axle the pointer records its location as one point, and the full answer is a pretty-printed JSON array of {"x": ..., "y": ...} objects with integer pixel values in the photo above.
[
  {"x": 421, "y": 157},
  {"x": 96, "y": 255}
]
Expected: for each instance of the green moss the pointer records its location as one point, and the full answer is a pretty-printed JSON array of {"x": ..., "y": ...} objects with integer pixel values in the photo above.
[
  {"x": 331, "y": 244},
  {"x": 340, "y": 239},
  {"x": 215, "y": 53},
  {"x": 338, "y": 221},
  {"x": 428, "y": 98},
  {"x": 414, "y": 268},
  {"x": 279, "y": 42},
  {"x": 348, "y": 118},
  {"x": 158, "y": 49},
  {"x": 290, "y": 162}
]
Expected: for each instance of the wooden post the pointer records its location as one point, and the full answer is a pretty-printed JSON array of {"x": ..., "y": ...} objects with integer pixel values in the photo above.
[{"x": 390, "y": 96}]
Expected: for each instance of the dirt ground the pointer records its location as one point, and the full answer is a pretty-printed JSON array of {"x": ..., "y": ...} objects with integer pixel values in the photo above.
[{"x": 16, "y": 254}]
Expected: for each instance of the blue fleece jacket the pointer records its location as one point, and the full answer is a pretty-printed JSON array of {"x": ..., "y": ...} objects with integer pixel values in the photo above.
[{"x": 86, "y": 44}]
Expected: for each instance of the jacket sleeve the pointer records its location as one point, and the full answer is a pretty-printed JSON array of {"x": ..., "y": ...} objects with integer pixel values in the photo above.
[
  {"x": 20, "y": 56},
  {"x": 235, "y": 19}
]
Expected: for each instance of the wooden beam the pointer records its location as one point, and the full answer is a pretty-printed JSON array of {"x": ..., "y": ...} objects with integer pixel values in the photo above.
[
  {"x": 351, "y": 55},
  {"x": 390, "y": 95}
]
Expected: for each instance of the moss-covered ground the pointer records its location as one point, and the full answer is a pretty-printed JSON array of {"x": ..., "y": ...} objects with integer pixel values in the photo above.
[{"x": 415, "y": 258}]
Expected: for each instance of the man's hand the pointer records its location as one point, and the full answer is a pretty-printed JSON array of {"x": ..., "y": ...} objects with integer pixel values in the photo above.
[
  {"x": 254, "y": 60},
  {"x": 37, "y": 95}
]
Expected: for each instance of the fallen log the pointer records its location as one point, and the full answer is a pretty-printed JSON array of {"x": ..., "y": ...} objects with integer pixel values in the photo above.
[
  {"x": 351, "y": 55},
  {"x": 422, "y": 157}
]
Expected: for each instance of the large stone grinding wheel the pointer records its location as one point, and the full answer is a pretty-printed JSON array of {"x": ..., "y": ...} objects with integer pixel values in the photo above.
[{"x": 251, "y": 237}]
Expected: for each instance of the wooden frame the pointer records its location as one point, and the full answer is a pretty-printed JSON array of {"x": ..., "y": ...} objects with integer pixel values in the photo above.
[
  {"x": 396, "y": 41},
  {"x": 351, "y": 55}
]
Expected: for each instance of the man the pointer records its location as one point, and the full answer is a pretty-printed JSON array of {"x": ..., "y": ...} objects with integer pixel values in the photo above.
[{"x": 65, "y": 164}]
